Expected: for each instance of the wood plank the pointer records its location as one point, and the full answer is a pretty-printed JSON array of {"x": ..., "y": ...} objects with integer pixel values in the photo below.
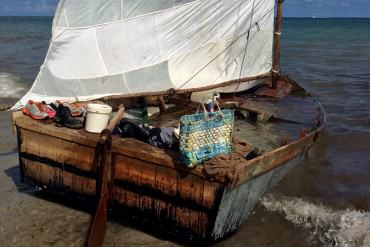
[
  {"x": 52, "y": 176},
  {"x": 143, "y": 151},
  {"x": 163, "y": 212},
  {"x": 126, "y": 146},
  {"x": 47, "y": 127},
  {"x": 169, "y": 182},
  {"x": 58, "y": 150},
  {"x": 266, "y": 162}
]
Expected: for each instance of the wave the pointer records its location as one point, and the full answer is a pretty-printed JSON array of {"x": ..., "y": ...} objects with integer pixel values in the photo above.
[
  {"x": 347, "y": 228},
  {"x": 11, "y": 86}
]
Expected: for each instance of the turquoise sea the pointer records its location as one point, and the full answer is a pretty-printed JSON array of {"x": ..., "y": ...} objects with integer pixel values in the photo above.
[{"x": 323, "y": 202}]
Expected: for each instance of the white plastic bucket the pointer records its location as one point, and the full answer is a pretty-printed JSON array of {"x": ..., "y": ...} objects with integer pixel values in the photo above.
[{"x": 97, "y": 117}]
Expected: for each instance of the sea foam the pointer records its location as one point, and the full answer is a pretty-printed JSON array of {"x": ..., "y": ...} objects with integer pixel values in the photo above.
[
  {"x": 11, "y": 86},
  {"x": 347, "y": 228}
]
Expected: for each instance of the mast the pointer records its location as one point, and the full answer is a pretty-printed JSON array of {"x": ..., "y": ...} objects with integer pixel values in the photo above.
[{"x": 277, "y": 36}]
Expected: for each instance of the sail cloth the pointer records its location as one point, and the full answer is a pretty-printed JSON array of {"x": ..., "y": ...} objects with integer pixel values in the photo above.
[{"x": 110, "y": 47}]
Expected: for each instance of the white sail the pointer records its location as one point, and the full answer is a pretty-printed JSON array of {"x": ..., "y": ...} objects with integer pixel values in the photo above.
[{"x": 110, "y": 47}]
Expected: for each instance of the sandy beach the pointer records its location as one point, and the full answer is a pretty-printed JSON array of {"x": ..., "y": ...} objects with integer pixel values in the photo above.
[{"x": 26, "y": 218}]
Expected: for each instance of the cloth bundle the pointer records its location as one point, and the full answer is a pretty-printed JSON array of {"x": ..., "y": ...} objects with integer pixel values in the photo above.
[{"x": 158, "y": 137}]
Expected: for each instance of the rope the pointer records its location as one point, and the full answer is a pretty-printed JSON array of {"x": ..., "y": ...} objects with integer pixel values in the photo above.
[
  {"x": 231, "y": 44},
  {"x": 235, "y": 32},
  {"x": 246, "y": 47}
]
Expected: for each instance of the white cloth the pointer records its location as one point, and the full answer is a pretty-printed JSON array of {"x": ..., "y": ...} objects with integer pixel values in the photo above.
[{"x": 111, "y": 47}]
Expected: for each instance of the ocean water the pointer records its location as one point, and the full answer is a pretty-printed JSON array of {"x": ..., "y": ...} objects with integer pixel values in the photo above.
[
  {"x": 23, "y": 46},
  {"x": 323, "y": 202}
]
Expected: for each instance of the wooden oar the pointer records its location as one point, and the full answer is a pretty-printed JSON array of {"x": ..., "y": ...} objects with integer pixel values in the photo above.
[{"x": 103, "y": 188}]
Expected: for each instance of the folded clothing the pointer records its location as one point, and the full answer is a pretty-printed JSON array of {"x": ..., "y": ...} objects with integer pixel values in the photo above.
[
  {"x": 129, "y": 128},
  {"x": 158, "y": 137},
  {"x": 163, "y": 138}
]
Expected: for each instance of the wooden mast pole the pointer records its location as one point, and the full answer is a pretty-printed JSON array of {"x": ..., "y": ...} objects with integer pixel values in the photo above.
[{"x": 277, "y": 36}]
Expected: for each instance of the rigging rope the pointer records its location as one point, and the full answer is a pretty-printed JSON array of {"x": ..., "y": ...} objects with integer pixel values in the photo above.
[
  {"x": 235, "y": 32},
  {"x": 229, "y": 46},
  {"x": 246, "y": 47}
]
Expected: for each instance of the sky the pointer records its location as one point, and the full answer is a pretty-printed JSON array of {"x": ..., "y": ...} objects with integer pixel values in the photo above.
[{"x": 292, "y": 8}]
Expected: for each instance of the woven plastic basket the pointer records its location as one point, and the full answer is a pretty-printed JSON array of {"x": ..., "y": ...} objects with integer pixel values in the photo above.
[{"x": 205, "y": 135}]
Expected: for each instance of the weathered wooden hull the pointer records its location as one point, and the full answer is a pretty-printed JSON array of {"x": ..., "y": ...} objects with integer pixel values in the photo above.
[
  {"x": 237, "y": 203},
  {"x": 160, "y": 197},
  {"x": 151, "y": 186}
]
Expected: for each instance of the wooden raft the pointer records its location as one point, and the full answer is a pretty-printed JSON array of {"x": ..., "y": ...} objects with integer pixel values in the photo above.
[{"x": 151, "y": 186}]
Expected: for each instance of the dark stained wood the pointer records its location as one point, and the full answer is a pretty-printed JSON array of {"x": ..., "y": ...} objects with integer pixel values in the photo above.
[
  {"x": 52, "y": 148},
  {"x": 57, "y": 178},
  {"x": 103, "y": 156},
  {"x": 148, "y": 153},
  {"x": 170, "y": 181},
  {"x": 162, "y": 105},
  {"x": 281, "y": 89},
  {"x": 99, "y": 223}
]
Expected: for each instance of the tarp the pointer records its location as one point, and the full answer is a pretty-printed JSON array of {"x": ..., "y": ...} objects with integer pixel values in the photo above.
[{"x": 110, "y": 47}]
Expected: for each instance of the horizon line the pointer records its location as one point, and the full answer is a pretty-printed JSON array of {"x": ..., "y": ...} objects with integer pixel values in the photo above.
[{"x": 310, "y": 17}]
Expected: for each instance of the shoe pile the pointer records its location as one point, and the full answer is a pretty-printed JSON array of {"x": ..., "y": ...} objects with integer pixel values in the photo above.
[{"x": 62, "y": 113}]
